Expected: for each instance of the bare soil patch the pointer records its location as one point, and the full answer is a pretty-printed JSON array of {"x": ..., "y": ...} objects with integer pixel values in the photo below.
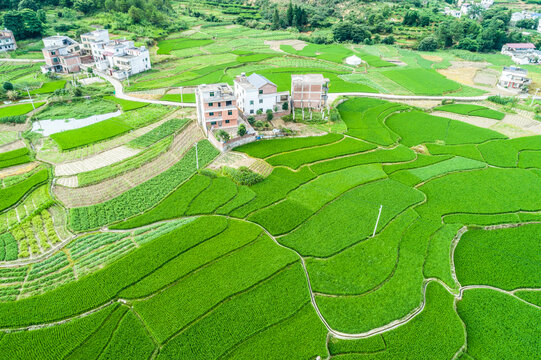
[
  {"x": 17, "y": 170},
  {"x": 275, "y": 44},
  {"x": 432, "y": 57},
  {"x": 463, "y": 71},
  {"x": 232, "y": 159}
]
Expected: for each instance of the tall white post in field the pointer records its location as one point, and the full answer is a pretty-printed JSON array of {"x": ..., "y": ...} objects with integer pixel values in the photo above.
[
  {"x": 31, "y": 100},
  {"x": 377, "y": 221}
]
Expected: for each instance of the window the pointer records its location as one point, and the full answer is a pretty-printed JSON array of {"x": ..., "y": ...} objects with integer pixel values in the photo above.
[
  {"x": 227, "y": 121},
  {"x": 251, "y": 111},
  {"x": 211, "y": 114},
  {"x": 213, "y": 123},
  {"x": 261, "y": 101},
  {"x": 211, "y": 93},
  {"x": 260, "y": 91},
  {"x": 229, "y": 112},
  {"x": 210, "y": 104},
  {"x": 219, "y": 104},
  {"x": 251, "y": 102},
  {"x": 227, "y": 103}
]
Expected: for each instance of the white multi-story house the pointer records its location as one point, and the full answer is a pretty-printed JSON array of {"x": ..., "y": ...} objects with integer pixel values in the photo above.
[
  {"x": 256, "y": 93},
  {"x": 121, "y": 59},
  {"x": 62, "y": 54},
  {"x": 118, "y": 58},
  {"x": 452, "y": 12},
  {"x": 216, "y": 107},
  {"x": 93, "y": 42},
  {"x": 514, "y": 79},
  {"x": 7, "y": 40}
]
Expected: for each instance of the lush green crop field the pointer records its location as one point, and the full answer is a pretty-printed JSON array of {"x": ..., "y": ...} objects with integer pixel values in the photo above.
[
  {"x": 500, "y": 258},
  {"x": 106, "y": 129},
  {"x": 166, "y": 46},
  {"x": 187, "y": 98},
  {"x": 472, "y": 110},
  {"x": 422, "y": 81},
  {"x": 126, "y": 105},
  {"x": 356, "y": 233},
  {"x": 14, "y": 157},
  {"x": 49, "y": 87},
  {"x": 77, "y": 109},
  {"x": 21, "y": 109}
]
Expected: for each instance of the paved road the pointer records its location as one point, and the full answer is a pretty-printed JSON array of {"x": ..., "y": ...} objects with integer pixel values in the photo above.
[
  {"x": 119, "y": 93},
  {"x": 23, "y": 60},
  {"x": 333, "y": 96}
]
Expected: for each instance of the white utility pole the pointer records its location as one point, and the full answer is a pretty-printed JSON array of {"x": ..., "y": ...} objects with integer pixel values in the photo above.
[
  {"x": 196, "y": 157},
  {"x": 32, "y": 101},
  {"x": 377, "y": 221},
  {"x": 533, "y": 98}
]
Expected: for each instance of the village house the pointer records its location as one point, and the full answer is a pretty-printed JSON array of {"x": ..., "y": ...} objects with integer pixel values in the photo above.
[
  {"x": 216, "y": 107},
  {"x": 514, "y": 79},
  {"x": 522, "y": 53},
  {"x": 309, "y": 91},
  {"x": 62, "y": 55},
  {"x": 257, "y": 94},
  {"x": 118, "y": 58},
  {"x": 7, "y": 41}
]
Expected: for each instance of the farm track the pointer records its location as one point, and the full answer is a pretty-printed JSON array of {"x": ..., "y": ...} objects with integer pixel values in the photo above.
[{"x": 106, "y": 190}]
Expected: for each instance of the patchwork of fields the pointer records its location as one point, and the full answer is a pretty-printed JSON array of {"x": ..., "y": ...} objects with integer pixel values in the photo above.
[{"x": 197, "y": 265}]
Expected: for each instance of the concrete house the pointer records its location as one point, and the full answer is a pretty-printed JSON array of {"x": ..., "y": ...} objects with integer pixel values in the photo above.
[
  {"x": 118, "y": 58},
  {"x": 309, "y": 91},
  {"x": 513, "y": 48},
  {"x": 92, "y": 43},
  {"x": 257, "y": 93},
  {"x": 216, "y": 107},
  {"x": 62, "y": 55},
  {"x": 514, "y": 79},
  {"x": 7, "y": 41}
]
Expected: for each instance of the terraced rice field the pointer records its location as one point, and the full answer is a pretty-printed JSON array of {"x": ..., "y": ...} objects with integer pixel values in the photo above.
[{"x": 376, "y": 243}]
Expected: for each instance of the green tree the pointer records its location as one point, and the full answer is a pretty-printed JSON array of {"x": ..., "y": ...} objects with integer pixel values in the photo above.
[
  {"x": 85, "y": 6},
  {"x": 7, "y": 86},
  {"x": 13, "y": 21},
  {"x": 42, "y": 16},
  {"x": 28, "y": 4},
  {"x": 137, "y": 15},
  {"x": 224, "y": 135},
  {"x": 429, "y": 43},
  {"x": 289, "y": 14},
  {"x": 275, "y": 20},
  {"x": 32, "y": 26},
  {"x": 241, "y": 130}
]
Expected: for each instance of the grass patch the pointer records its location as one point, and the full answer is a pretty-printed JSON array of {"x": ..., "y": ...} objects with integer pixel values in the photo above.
[
  {"x": 187, "y": 98},
  {"x": 49, "y": 87},
  {"x": 77, "y": 109},
  {"x": 166, "y": 129},
  {"x": 422, "y": 81},
  {"x": 126, "y": 105},
  {"x": 471, "y": 110},
  {"x": 20, "y": 109},
  {"x": 103, "y": 130},
  {"x": 166, "y": 46}
]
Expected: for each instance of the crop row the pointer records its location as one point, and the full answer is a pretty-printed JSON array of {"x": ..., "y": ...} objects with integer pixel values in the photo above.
[
  {"x": 144, "y": 196},
  {"x": 14, "y": 157},
  {"x": 119, "y": 168},
  {"x": 9, "y": 196},
  {"x": 169, "y": 127},
  {"x": 37, "y": 232}
]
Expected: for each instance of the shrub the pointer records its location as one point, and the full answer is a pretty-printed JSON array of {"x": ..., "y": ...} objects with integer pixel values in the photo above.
[
  {"x": 259, "y": 112},
  {"x": 224, "y": 135},
  {"x": 19, "y": 119},
  {"x": 270, "y": 115},
  {"x": 429, "y": 43},
  {"x": 502, "y": 100},
  {"x": 285, "y": 106},
  {"x": 258, "y": 124},
  {"x": 7, "y": 86},
  {"x": 287, "y": 118},
  {"x": 242, "y": 175},
  {"x": 251, "y": 120}
]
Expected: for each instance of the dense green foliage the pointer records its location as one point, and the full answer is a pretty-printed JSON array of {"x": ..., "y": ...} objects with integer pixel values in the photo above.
[
  {"x": 9, "y": 196},
  {"x": 472, "y": 110},
  {"x": 167, "y": 128}
]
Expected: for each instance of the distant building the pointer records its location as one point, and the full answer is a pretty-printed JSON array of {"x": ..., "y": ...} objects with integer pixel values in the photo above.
[
  {"x": 7, "y": 41},
  {"x": 524, "y": 15},
  {"x": 513, "y": 48},
  {"x": 452, "y": 12},
  {"x": 216, "y": 106},
  {"x": 486, "y": 3},
  {"x": 62, "y": 55},
  {"x": 309, "y": 91},
  {"x": 514, "y": 79},
  {"x": 257, "y": 93}
]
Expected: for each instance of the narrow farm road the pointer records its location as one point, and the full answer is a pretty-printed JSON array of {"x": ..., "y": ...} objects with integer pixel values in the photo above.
[
  {"x": 119, "y": 93},
  {"x": 334, "y": 96},
  {"x": 24, "y": 60}
]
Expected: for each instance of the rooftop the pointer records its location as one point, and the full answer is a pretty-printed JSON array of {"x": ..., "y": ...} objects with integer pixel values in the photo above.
[
  {"x": 311, "y": 78},
  {"x": 254, "y": 81},
  {"x": 221, "y": 91},
  {"x": 521, "y": 45}
]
